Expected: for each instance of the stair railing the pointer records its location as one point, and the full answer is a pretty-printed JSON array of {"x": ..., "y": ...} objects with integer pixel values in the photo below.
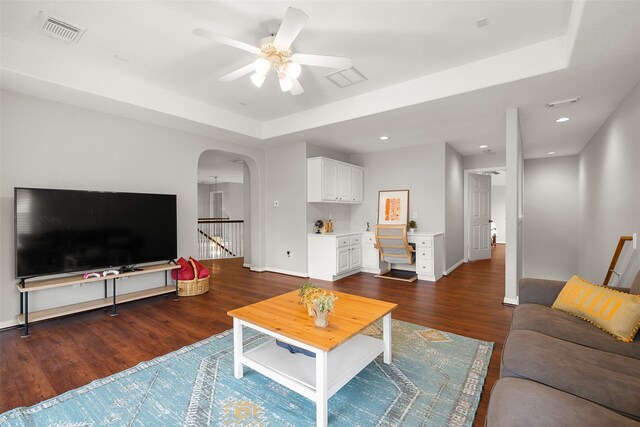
[
  {"x": 616, "y": 256},
  {"x": 220, "y": 238}
]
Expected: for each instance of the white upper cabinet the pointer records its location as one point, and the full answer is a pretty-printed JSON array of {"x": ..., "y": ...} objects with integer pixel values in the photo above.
[
  {"x": 357, "y": 178},
  {"x": 329, "y": 180},
  {"x": 332, "y": 181}
]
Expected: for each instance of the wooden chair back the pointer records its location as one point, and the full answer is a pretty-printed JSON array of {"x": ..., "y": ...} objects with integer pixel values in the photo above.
[{"x": 391, "y": 241}]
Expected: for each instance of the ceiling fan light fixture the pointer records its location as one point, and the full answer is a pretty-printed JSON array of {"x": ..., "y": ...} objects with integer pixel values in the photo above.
[
  {"x": 262, "y": 66},
  {"x": 257, "y": 79},
  {"x": 285, "y": 83},
  {"x": 293, "y": 69}
]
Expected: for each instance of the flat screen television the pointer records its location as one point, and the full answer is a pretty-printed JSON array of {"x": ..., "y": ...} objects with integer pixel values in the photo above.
[{"x": 63, "y": 231}]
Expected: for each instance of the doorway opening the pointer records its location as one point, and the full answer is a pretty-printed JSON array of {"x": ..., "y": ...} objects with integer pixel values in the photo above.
[
  {"x": 484, "y": 211},
  {"x": 223, "y": 205}
]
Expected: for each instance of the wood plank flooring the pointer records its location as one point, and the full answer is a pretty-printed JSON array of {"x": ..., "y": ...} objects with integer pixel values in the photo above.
[{"x": 66, "y": 353}]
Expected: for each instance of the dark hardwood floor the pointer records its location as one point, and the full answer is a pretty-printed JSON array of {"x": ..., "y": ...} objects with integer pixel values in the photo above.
[{"x": 69, "y": 352}]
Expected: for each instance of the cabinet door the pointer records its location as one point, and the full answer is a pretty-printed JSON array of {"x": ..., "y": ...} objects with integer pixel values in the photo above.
[
  {"x": 356, "y": 184},
  {"x": 329, "y": 180},
  {"x": 370, "y": 256},
  {"x": 356, "y": 257},
  {"x": 344, "y": 182},
  {"x": 343, "y": 260}
]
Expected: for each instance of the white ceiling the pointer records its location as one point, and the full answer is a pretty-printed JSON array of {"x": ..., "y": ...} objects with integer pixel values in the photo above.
[{"x": 433, "y": 76}]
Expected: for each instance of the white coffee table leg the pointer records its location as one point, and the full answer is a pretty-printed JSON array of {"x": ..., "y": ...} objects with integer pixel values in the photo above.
[
  {"x": 386, "y": 336},
  {"x": 237, "y": 349},
  {"x": 322, "y": 416}
]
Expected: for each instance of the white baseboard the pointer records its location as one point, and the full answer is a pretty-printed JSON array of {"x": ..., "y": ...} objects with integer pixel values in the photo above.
[
  {"x": 511, "y": 301},
  {"x": 258, "y": 270},
  {"x": 8, "y": 324},
  {"x": 456, "y": 265},
  {"x": 287, "y": 272},
  {"x": 246, "y": 265}
]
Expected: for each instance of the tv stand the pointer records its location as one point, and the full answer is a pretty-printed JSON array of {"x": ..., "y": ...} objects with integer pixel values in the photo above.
[{"x": 25, "y": 288}]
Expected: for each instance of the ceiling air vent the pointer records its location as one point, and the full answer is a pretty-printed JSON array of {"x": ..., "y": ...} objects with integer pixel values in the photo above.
[
  {"x": 59, "y": 29},
  {"x": 347, "y": 77},
  {"x": 562, "y": 102}
]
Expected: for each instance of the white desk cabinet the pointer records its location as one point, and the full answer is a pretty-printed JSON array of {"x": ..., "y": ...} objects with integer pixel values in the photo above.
[
  {"x": 429, "y": 259},
  {"x": 332, "y": 181},
  {"x": 333, "y": 256},
  {"x": 370, "y": 255}
]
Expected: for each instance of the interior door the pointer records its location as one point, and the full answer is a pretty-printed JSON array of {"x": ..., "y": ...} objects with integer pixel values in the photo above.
[{"x": 479, "y": 216}]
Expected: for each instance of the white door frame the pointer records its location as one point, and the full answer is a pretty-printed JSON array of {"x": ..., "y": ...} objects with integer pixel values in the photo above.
[
  {"x": 466, "y": 203},
  {"x": 211, "y": 197}
]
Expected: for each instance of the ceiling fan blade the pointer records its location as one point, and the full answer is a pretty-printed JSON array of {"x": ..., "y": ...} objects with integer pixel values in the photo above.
[
  {"x": 238, "y": 73},
  {"x": 226, "y": 40},
  {"x": 296, "y": 89},
  {"x": 322, "y": 60},
  {"x": 292, "y": 23}
]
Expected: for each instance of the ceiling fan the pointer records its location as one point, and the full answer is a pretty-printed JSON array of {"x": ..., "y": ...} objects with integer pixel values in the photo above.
[{"x": 275, "y": 53}]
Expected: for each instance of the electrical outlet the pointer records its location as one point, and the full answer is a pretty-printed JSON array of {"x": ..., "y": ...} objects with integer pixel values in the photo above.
[
  {"x": 414, "y": 215},
  {"x": 289, "y": 254},
  {"x": 276, "y": 203},
  {"x": 331, "y": 216}
]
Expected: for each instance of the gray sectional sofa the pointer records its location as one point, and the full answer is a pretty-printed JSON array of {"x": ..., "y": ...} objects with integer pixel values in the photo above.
[{"x": 559, "y": 370}]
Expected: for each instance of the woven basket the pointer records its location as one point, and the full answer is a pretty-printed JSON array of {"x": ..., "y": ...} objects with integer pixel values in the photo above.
[{"x": 189, "y": 288}]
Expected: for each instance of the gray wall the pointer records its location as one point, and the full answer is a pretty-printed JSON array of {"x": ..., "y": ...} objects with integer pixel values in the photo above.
[
  {"x": 551, "y": 246},
  {"x": 287, "y": 223},
  {"x": 246, "y": 202},
  {"x": 609, "y": 171},
  {"x": 419, "y": 169},
  {"x": 499, "y": 211},
  {"x": 232, "y": 199},
  {"x": 484, "y": 160},
  {"x": 49, "y": 144},
  {"x": 454, "y": 207}
]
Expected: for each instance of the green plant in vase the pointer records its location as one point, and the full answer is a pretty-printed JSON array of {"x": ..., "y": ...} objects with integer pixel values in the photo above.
[
  {"x": 307, "y": 292},
  {"x": 323, "y": 305},
  {"x": 412, "y": 226}
]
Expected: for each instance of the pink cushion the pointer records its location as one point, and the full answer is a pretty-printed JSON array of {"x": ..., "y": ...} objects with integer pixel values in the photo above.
[
  {"x": 202, "y": 270},
  {"x": 185, "y": 272}
]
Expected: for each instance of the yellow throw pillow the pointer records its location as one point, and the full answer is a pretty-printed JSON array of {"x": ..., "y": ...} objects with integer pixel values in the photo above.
[{"x": 616, "y": 312}]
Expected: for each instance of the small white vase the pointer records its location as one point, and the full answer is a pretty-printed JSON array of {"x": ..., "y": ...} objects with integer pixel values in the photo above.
[
  {"x": 320, "y": 318},
  {"x": 412, "y": 230}
]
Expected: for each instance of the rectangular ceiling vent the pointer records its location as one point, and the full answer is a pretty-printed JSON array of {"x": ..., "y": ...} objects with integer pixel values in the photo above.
[
  {"x": 59, "y": 29},
  {"x": 346, "y": 77},
  {"x": 563, "y": 102}
]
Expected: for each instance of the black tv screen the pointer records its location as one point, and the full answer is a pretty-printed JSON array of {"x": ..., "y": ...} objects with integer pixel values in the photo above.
[{"x": 62, "y": 231}]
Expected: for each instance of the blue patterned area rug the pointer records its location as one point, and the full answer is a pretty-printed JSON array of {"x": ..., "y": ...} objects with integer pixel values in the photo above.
[{"x": 435, "y": 380}]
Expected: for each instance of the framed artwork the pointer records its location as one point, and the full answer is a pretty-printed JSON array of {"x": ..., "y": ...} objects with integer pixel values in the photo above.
[{"x": 393, "y": 207}]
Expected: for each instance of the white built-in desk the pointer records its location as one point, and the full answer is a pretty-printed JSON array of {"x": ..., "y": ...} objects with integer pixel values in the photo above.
[{"x": 337, "y": 255}]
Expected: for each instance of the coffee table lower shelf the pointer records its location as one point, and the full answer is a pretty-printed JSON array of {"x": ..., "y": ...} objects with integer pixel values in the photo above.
[{"x": 298, "y": 372}]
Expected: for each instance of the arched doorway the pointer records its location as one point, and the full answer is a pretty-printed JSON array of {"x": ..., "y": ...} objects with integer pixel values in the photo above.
[{"x": 226, "y": 201}]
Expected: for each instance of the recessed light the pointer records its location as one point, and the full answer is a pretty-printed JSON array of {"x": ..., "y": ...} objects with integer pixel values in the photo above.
[
  {"x": 482, "y": 147},
  {"x": 562, "y": 119},
  {"x": 551, "y": 153},
  {"x": 384, "y": 138}
]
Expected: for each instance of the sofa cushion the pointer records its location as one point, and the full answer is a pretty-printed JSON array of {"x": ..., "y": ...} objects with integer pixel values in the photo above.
[
  {"x": 516, "y": 402},
  {"x": 539, "y": 318},
  {"x": 616, "y": 312},
  {"x": 604, "y": 378}
]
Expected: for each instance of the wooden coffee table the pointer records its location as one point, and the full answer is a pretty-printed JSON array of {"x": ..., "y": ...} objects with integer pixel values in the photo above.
[{"x": 341, "y": 352}]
